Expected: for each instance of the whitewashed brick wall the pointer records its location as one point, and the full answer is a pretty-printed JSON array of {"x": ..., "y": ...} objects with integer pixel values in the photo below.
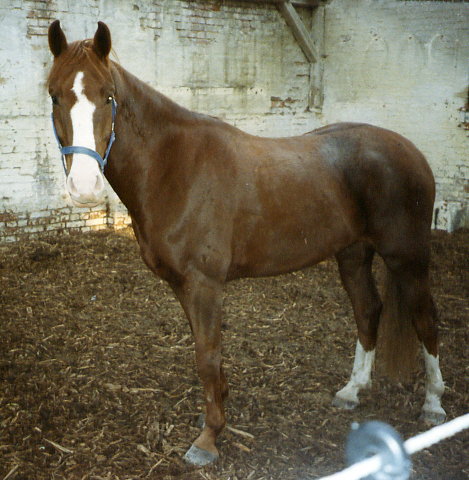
[
  {"x": 238, "y": 61},
  {"x": 404, "y": 65}
]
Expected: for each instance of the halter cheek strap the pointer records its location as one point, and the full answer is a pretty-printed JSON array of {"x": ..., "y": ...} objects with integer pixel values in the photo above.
[{"x": 85, "y": 150}]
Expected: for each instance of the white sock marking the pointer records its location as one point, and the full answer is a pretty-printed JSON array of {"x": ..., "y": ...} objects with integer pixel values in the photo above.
[
  {"x": 361, "y": 375},
  {"x": 434, "y": 384}
]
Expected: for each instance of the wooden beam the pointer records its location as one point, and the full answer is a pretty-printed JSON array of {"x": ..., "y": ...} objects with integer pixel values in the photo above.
[
  {"x": 299, "y": 30},
  {"x": 306, "y": 3},
  {"x": 296, "y": 3}
]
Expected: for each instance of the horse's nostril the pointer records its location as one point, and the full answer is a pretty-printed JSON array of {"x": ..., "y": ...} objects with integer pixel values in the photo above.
[
  {"x": 99, "y": 185},
  {"x": 71, "y": 185}
]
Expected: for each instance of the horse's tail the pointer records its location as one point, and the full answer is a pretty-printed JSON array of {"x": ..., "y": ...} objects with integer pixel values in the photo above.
[{"x": 398, "y": 342}]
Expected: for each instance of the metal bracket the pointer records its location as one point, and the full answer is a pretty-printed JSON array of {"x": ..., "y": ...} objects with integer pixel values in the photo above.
[{"x": 371, "y": 438}]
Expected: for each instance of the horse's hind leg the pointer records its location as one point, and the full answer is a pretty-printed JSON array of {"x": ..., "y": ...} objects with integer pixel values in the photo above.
[
  {"x": 355, "y": 264},
  {"x": 425, "y": 323},
  {"x": 411, "y": 286}
]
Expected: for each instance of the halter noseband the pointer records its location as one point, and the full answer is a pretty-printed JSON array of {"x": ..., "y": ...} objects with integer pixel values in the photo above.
[{"x": 85, "y": 150}]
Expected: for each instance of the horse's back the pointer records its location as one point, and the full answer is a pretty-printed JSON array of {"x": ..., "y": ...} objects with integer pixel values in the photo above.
[
  {"x": 337, "y": 128},
  {"x": 317, "y": 193}
]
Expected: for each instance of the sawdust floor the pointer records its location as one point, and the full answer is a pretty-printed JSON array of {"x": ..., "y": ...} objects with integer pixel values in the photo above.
[{"x": 97, "y": 377}]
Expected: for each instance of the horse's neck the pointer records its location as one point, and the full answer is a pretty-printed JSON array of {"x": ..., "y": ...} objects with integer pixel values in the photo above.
[
  {"x": 142, "y": 105},
  {"x": 145, "y": 121}
]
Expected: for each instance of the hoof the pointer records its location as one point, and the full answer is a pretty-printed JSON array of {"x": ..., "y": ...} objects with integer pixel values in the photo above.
[
  {"x": 199, "y": 457},
  {"x": 433, "y": 418},
  {"x": 344, "y": 404}
]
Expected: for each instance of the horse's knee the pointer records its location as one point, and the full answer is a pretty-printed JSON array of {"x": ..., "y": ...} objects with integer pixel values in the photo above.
[{"x": 208, "y": 363}]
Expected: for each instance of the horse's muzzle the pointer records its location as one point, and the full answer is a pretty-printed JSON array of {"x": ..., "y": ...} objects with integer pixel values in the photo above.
[{"x": 86, "y": 191}]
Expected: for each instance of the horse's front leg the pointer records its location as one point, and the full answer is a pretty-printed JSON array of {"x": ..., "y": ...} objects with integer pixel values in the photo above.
[{"x": 201, "y": 299}]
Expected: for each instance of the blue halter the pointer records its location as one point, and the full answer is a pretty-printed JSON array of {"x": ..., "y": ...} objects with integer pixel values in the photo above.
[{"x": 84, "y": 150}]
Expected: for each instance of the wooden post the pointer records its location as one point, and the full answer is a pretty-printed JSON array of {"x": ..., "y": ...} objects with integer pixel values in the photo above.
[{"x": 316, "y": 89}]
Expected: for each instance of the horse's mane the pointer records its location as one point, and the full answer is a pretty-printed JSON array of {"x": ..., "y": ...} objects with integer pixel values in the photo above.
[{"x": 82, "y": 50}]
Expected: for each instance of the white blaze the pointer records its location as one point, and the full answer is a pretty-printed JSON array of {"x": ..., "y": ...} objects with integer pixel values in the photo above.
[
  {"x": 82, "y": 116},
  {"x": 84, "y": 182}
]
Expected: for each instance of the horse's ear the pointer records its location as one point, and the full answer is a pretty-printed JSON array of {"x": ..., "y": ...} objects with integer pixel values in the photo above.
[
  {"x": 57, "y": 41},
  {"x": 102, "y": 41}
]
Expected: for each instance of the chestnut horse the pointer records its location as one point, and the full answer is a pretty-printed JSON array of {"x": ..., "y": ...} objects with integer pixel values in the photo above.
[{"x": 210, "y": 203}]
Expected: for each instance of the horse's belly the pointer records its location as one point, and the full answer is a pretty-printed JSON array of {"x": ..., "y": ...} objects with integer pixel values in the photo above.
[
  {"x": 295, "y": 211},
  {"x": 291, "y": 243}
]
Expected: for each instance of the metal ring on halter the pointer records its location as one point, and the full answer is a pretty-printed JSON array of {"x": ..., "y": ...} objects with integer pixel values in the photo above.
[
  {"x": 102, "y": 161},
  {"x": 371, "y": 438}
]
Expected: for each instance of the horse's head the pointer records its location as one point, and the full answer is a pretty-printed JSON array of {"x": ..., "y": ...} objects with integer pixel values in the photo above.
[{"x": 82, "y": 92}]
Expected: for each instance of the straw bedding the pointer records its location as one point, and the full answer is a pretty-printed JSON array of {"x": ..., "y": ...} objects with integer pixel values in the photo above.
[{"x": 97, "y": 374}]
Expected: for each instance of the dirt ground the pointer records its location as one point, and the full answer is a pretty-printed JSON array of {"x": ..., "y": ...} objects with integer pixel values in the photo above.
[{"x": 97, "y": 377}]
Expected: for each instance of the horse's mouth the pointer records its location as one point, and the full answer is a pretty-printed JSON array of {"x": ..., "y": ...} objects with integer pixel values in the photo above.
[{"x": 86, "y": 204}]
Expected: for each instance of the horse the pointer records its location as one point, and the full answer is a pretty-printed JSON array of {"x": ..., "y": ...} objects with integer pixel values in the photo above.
[{"x": 210, "y": 203}]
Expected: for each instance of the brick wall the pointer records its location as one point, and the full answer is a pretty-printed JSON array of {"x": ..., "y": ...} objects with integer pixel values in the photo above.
[{"x": 238, "y": 60}]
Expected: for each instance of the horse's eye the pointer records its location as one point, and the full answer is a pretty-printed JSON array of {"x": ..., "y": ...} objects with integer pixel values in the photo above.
[
  {"x": 109, "y": 99},
  {"x": 54, "y": 99}
]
